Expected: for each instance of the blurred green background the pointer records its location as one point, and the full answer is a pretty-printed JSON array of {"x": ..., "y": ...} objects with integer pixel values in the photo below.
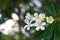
[{"x": 50, "y": 7}]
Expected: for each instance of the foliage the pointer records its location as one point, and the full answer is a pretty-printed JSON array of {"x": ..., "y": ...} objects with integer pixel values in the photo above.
[{"x": 50, "y": 7}]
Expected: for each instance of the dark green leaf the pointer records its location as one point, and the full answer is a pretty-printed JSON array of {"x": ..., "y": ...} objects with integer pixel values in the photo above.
[
  {"x": 57, "y": 31},
  {"x": 51, "y": 9},
  {"x": 48, "y": 33}
]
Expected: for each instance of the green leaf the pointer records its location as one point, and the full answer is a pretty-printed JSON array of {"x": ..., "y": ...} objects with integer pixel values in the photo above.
[
  {"x": 4, "y": 4},
  {"x": 57, "y": 31},
  {"x": 4, "y": 37},
  {"x": 48, "y": 33},
  {"x": 52, "y": 9},
  {"x": 9, "y": 9},
  {"x": 48, "y": 10},
  {"x": 38, "y": 34}
]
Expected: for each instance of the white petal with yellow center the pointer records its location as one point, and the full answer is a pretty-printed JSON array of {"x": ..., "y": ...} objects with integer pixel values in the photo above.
[
  {"x": 49, "y": 19},
  {"x": 37, "y": 17},
  {"x": 35, "y": 14},
  {"x": 42, "y": 15},
  {"x": 40, "y": 25}
]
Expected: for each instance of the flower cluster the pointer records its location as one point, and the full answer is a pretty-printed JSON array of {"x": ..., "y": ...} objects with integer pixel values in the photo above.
[
  {"x": 39, "y": 21},
  {"x": 10, "y": 26}
]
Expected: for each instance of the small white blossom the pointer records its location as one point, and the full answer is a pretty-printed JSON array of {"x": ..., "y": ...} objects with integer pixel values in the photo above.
[
  {"x": 50, "y": 19},
  {"x": 28, "y": 24},
  {"x": 37, "y": 3},
  {"x": 15, "y": 16},
  {"x": 10, "y": 22},
  {"x": 28, "y": 16},
  {"x": 4, "y": 29},
  {"x": 42, "y": 15},
  {"x": 37, "y": 20},
  {"x": 9, "y": 27},
  {"x": 40, "y": 25},
  {"x": 39, "y": 17},
  {"x": 16, "y": 27},
  {"x": 36, "y": 17}
]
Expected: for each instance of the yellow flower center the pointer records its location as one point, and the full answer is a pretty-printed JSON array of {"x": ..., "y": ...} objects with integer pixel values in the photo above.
[
  {"x": 49, "y": 19},
  {"x": 39, "y": 25},
  {"x": 37, "y": 18},
  {"x": 42, "y": 17}
]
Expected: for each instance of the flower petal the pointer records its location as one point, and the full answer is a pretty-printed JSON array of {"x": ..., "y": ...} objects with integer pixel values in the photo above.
[
  {"x": 15, "y": 16},
  {"x": 26, "y": 21},
  {"x": 42, "y": 28},
  {"x": 49, "y": 19},
  {"x": 37, "y": 28},
  {"x": 43, "y": 23},
  {"x": 38, "y": 21},
  {"x": 35, "y": 14},
  {"x": 25, "y": 26},
  {"x": 28, "y": 16},
  {"x": 35, "y": 24},
  {"x": 42, "y": 15},
  {"x": 28, "y": 28},
  {"x": 33, "y": 19},
  {"x": 32, "y": 25}
]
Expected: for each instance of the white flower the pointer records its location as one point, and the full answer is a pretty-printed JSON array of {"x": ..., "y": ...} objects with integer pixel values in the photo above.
[
  {"x": 49, "y": 19},
  {"x": 37, "y": 17},
  {"x": 15, "y": 16},
  {"x": 13, "y": 24},
  {"x": 4, "y": 29},
  {"x": 10, "y": 22},
  {"x": 37, "y": 3},
  {"x": 28, "y": 16},
  {"x": 9, "y": 27},
  {"x": 28, "y": 24},
  {"x": 42, "y": 15},
  {"x": 40, "y": 25},
  {"x": 16, "y": 27}
]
